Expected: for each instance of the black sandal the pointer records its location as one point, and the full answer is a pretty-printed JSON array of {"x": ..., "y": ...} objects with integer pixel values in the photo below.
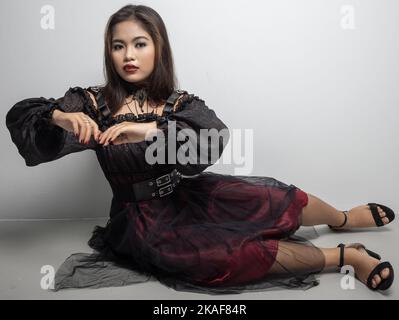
[
  {"x": 388, "y": 213},
  {"x": 374, "y": 211},
  {"x": 385, "y": 283}
]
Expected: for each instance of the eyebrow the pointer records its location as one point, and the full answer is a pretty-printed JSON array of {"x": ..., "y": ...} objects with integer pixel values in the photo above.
[{"x": 119, "y": 40}]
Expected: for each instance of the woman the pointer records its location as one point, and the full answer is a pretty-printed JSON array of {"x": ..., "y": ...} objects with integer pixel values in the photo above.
[{"x": 192, "y": 230}]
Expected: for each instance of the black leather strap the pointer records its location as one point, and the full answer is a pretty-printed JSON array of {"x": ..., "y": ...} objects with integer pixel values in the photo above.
[
  {"x": 345, "y": 219},
  {"x": 104, "y": 111},
  {"x": 102, "y": 107},
  {"x": 376, "y": 214},
  {"x": 171, "y": 101},
  {"x": 341, "y": 255},
  {"x": 157, "y": 187},
  {"x": 344, "y": 223}
]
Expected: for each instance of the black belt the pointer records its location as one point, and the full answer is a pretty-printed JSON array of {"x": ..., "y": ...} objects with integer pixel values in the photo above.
[{"x": 156, "y": 187}]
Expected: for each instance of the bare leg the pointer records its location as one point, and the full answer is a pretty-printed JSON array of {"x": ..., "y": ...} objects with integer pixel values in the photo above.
[
  {"x": 319, "y": 212},
  {"x": 297, "y": 258}
]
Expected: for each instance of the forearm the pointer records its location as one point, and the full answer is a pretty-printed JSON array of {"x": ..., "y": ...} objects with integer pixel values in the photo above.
[
  {"x": 54, "y": 118},
  {"x": 144, "y": 128}
]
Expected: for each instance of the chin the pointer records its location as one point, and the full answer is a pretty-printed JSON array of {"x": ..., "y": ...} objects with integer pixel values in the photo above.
[{"x": 130, "y": 79}]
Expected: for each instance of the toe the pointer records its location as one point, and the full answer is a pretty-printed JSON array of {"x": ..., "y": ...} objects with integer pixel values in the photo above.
[
  {"x": 377, "y": 279},
  {"x": 373, "y": 283},
  {"x": 382, "y": 213},
  {"x": 385, "y": 273},
  {"x": 385, "y": 220}
]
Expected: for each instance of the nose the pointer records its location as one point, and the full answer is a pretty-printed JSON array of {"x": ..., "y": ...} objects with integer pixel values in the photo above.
[{"x": 130, "y": 53}]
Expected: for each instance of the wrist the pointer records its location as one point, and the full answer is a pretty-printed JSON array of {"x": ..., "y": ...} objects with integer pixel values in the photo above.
[
  {"x": 54, "y": 115},
  {"x": 151, "y": 129}
]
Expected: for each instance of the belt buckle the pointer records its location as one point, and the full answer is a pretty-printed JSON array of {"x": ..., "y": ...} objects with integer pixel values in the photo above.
[
  {"x": 160, "y": 182},
  {"x": 161, "y": 190}
]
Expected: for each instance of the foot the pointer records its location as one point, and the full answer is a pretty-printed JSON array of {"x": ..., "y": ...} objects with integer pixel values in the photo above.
[
  {"x": 360, "y": 217},
  {"x": 364, "y": 264}
]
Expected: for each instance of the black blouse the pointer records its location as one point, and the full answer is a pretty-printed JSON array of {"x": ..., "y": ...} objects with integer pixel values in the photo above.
[{"x": 39, "y": 141}]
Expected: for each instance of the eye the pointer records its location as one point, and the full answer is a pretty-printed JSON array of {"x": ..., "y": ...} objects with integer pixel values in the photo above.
[
  {"x": 139, "y": 43},
  {"x": 117, "y": 46}
]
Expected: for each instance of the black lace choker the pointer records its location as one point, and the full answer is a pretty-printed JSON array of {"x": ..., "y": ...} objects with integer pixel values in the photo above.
[{"x": 140, "y": 95}]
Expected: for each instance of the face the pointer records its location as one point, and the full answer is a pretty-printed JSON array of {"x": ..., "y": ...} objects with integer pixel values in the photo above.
[{"x": 132, "y": 44}]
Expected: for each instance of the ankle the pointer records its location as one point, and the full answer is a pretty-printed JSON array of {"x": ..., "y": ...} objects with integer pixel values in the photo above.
[
  {"x": 351, "y": 257},
  {"x": 341, "y": 219},
  {"x": 332, "y": 257}
]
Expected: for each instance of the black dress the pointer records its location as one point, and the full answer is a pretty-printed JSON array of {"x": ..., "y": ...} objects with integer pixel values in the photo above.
[{"x": 215, "y": 233}]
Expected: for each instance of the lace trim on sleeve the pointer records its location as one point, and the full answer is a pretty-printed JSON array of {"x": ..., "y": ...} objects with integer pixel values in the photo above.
[
  {"x": 88, "y": 106},
  {"x": 184, "y": 99}
]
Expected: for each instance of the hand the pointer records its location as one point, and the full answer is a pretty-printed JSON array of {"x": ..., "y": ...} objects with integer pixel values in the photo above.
[
  {"x": 77, "y": 122},
  {"x": 127, "y": 132}
]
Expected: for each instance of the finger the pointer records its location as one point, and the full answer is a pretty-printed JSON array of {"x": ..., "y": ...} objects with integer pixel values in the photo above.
[
  {"x": 88, "y": 132},
  {"x": 80, "y": 131},
  {"x": 75, "y": 127},
  {"x": 115, "y": 135},
  {"x": 96, "y": 131},
  {"x": 118, "y": 133},
  {"x": 103, "y": 136},
  {"x": 82, "y": 126},
  {"x": 107, "y": 133}
]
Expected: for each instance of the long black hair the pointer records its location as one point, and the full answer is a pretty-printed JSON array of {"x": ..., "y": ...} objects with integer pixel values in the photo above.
[{"x": 161, "y": 83}]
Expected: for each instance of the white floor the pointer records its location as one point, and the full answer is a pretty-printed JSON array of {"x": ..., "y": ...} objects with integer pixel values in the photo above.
[{"x": 27, "y": 246}]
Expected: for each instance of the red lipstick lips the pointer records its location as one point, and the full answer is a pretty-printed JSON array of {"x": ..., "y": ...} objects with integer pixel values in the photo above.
[{"x": 130, "y": 67}]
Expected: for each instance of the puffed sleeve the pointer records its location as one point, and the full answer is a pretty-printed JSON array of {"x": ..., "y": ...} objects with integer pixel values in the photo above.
[
  {"x": 192, "y": 114},
  {"x": 36, "y": 138}
]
